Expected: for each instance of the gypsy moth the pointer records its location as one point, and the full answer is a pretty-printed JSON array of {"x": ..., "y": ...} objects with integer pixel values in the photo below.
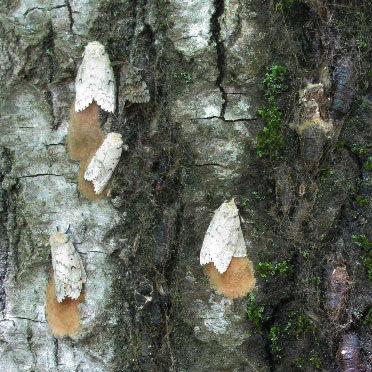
[
  {"x": 224, "y": 238},
  {"x": 95, "y": 79},
  {"x": 104, "y": 162},
  {"x": 69, "y": 273},
  {"x": 132, "y": 88}
]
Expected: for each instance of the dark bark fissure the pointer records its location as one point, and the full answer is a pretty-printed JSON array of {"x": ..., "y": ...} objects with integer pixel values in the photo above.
[
  {"x": 41, "y": 175},
  {"x": 23, "y": 318},
  {"x": 49, "y": 51},
  {"x": 56, "y": 356},
  {"x": 5, "y": 243},
  {"x": 220, "y": 48},
  {"x": 210, "y": 164},
  {"x": 70, "y": 15}
]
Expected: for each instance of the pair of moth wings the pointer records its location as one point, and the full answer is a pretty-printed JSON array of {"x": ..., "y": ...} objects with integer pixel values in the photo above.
[
  {"x": 224, "y": 238},
  {"x": 95, "y": 79},
  {"x": 104, "y": 162},
  {"x": 69, "y": 273}
]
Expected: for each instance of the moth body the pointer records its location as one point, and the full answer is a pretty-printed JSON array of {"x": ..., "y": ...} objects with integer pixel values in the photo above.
[
  {"x": 95, "y": 79},
  {"x": 104, "y": 162},
  {"x": 224, "y": 238},
  {"x": 69, "y": 273}
]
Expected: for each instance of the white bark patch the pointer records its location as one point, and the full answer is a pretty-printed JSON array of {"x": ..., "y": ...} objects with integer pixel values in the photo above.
[
  {"x": 190, "y": 31},
  {"x": 69, "y": 273},
  {"x": 224, "y": 238},
  {"x": 104, "y": 162},
  {"x": 95, "y": 79}
]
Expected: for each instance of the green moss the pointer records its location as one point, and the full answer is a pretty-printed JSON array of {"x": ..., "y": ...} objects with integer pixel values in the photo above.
[
  {"x": 274, "y": 336},
  {"x": 285, "y": 5},
  {"x": 368, "y": 318},
  {"x": 270, "y": 139},
  {"x": 254, "y": 311},
  {"x": 265, "y": 269},
  {"x": 274, "y": 81},
  {"x": 361, "y": 201},
  {"x": 299, "y": 324},
  {"x": 315, "y": 360},
  {"x": 358, "y": 150},
  {"x": 368, "y": 164},
  {"x": 187, "y": 76},
  {"x": 362, "y": 241},
  {"x": 298, "y": 362}
]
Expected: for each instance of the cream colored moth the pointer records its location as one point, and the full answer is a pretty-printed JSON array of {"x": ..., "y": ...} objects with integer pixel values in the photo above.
[
  {"x": 104, "y": 162},
  {"x": 95, "y": 79},
  {"x": 69, "y": 273},
  {"x": 224, "y": 238}
]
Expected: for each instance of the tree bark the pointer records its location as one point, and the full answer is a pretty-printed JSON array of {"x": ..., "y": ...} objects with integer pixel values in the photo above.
[{"x": 302, "y": 185}]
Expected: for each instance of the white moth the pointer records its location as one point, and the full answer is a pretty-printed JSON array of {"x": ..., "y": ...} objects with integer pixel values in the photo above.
[
  {"x": 224, "y": 238},
  {"x": 69, "y": 273},
  {"x": 104, "y": 162},
  {"x": 95, "y": 79}
]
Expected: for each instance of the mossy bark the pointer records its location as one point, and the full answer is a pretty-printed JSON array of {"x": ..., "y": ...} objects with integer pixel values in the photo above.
[{"x": 148, "y": 305}]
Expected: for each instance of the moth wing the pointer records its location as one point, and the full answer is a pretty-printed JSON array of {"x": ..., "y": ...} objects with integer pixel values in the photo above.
[
  {"x": 94, "y": 168},
  {"x": 240, "y": 247},
  {"x": 138, "y": 93},
  {"x": 68, "y": 271},
  {"x": 77, "y": 274},
  {"x": 110, "y": 162},
  {"x": 84, "y": 93},
  {"x": 103, "y": 164},
  {"x": 220, "y": 239},
  {"x": 60, "y": 289},
  {"x": 95, "y": 81},
  {"x": 104, "y": 93},
  {"x": 132, "y": 87},
  {"x": 60, "y": 262}
]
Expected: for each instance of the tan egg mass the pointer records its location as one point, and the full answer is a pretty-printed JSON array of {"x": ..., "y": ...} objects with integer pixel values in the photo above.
[{"x": 236, "y": 281}]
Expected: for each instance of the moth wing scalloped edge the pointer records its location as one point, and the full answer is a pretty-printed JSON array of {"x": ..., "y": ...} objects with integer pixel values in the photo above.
[{"x": 216, "y": 247}]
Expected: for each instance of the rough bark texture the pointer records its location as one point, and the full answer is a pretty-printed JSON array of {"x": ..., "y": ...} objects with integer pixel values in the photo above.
[{"x": 148, "y": 305}]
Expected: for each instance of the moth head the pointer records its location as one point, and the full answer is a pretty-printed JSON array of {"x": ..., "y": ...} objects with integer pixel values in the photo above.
[
  {"x": 94, "y": 49},
  {"x": 115, "y": 138},
  {"x": 229, "y": 207},
  {"x": 58, "y": 238}
]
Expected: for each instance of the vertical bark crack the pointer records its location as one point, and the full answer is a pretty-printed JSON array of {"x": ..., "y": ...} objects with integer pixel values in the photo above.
[
  {"x": 56, "y": 354},
  {"x": 219, "y": 6},
  {"x": 70, "y": 15}
]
